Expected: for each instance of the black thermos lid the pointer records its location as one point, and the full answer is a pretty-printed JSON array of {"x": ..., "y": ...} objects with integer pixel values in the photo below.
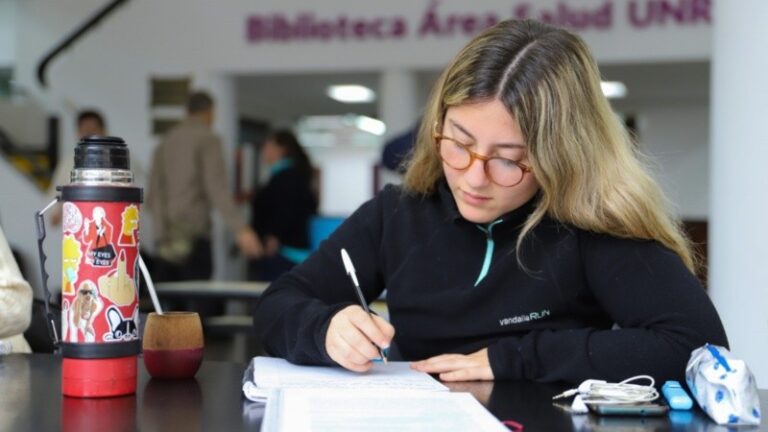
[{"x": 102, "y": 152}]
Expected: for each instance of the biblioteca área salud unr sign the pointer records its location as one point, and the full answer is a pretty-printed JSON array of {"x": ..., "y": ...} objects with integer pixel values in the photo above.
[{"x": 437, "y": 22}]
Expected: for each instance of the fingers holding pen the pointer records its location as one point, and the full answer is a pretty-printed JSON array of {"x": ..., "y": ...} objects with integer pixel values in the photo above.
[
  {"x": 353, "y": 336},
  {"x": 347, "y": 345},
  {"x": 375, "y": 328},
  {"x": 347, "y": 356}
]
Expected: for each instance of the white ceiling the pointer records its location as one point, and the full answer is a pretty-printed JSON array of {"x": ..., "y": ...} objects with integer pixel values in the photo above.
[{"x": 282, "y": 99}]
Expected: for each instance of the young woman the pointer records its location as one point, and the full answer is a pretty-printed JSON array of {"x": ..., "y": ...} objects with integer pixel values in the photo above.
[
  {"x": 282, "y": 209},
  {"x": 528, "y": 241}
]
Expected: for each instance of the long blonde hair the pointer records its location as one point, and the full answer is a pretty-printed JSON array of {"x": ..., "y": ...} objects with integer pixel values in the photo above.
[{"x": 590, "y": 172}]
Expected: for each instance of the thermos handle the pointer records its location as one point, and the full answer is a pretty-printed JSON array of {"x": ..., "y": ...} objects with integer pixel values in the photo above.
[{"x": 40, "y": 225}]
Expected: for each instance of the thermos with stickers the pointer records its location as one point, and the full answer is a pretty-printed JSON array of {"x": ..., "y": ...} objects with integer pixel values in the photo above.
[{"x": 99, "y": 338}]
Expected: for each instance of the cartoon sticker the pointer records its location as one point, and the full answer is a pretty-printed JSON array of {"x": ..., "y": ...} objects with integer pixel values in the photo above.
[
  {"x": 70, "y": 263},
  {"x": 71, "y": 219},
  {"x": 97, "y": 234},
  {"x": 130, "y": 224},
  {"x": 65, "y": 321},
  {"x": 121, "y": 328},
  {"x": 81, "y": 314},
  {"x": 117, "y": 286}
]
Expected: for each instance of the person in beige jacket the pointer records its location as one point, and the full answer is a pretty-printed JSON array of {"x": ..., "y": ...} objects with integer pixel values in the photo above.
[
  {"x": 188, "y": 180},
  {"x": 15, "y": 302}
]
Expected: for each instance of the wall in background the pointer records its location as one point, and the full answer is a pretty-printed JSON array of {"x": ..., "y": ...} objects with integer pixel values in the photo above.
[
  {"x": 7, "y": 33},
  {"x": 677, "y": 140}
]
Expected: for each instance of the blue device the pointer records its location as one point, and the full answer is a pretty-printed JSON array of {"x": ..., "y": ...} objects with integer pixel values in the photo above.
[{"x": 676, "y": 396}]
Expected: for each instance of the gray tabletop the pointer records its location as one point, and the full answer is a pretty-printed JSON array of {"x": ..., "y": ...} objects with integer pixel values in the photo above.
[
  {"x": 31, "y": 400},
  {"x": 212, "y": 289}
]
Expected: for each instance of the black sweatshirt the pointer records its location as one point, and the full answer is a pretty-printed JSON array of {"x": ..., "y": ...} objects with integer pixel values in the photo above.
[{"x": 586, "y": 305}]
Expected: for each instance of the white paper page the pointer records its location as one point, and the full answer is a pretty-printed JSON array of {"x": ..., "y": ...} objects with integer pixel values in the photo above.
[
  {"x": 372, "y": 411},
  {"x": 278, "y": 373}
]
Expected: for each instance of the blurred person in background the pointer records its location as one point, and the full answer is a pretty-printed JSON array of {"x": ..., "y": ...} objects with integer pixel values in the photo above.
[
  {"x": 89, "y": 122},
  {"x": 398, "y": 149},
  {"x": 187, "y": 181},
  {"x": 282, "y": 209}
]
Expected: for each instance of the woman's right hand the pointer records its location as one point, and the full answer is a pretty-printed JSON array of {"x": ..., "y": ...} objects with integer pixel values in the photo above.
[{"x": 353, "y": 335}]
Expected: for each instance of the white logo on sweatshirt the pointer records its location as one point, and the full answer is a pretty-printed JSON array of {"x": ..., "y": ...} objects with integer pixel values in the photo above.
[{"x": 533, "y": 316}]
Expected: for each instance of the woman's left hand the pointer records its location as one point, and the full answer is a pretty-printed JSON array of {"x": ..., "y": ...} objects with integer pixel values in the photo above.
[{"x": 458, "y": 367}]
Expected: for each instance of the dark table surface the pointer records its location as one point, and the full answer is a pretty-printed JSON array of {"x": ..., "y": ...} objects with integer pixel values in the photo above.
[{"x": 31, "y": 400}]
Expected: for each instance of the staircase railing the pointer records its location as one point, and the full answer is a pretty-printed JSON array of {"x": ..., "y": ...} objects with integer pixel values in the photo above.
[{"x": 81, "y": 30}]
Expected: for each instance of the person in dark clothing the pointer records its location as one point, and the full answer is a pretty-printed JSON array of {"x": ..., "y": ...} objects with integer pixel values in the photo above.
[
  {"x": 282, "y": 209},
  {"x": 527, "y": 242},
  {"x": 396, "y": 150}
]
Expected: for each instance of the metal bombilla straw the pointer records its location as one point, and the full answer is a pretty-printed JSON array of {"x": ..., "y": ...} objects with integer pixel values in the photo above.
[{"x": 150, "y": 286}]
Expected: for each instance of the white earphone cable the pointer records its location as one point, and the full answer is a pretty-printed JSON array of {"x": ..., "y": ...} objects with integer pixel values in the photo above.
[{"x": 601, "y": 392}]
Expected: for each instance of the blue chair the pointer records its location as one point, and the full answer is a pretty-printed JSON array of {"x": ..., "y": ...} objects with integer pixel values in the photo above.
[{"x": 321, "y": 227}]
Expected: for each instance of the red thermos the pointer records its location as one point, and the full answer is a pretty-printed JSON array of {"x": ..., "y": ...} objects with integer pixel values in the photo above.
[{"x": 99, "y": 337}]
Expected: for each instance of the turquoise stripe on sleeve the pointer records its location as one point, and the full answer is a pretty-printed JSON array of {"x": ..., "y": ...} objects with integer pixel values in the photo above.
[{"x": 489, "y": 245}]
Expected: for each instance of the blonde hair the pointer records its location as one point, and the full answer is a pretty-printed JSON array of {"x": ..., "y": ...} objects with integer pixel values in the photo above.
[{"x": 591, "y": 174}]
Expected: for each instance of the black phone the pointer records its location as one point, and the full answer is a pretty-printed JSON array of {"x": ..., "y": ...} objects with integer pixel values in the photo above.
[{"x": 639, "y": 409}]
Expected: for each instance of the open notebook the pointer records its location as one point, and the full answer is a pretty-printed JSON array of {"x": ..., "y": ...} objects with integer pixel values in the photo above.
[
  {"x": 265, "y": 373},
  {"x": 389, "y": 397}
]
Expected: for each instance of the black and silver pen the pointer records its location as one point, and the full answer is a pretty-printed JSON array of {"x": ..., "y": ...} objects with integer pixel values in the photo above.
[{"x": 350, "y": 268}]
